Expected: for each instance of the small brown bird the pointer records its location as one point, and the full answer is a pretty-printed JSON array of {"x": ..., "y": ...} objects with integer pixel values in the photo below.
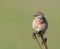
[{"x": 40, "y": 25}]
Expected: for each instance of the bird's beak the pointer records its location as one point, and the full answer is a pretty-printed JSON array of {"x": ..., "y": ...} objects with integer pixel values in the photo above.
[{"x": 35, "y": 16}]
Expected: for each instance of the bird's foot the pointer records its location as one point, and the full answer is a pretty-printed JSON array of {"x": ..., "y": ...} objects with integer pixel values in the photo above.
[
  {"x": 34, "y": 35},
  {"x": 44, "y": 41}
]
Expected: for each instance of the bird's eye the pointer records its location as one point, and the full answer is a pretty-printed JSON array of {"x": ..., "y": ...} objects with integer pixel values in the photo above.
[{"x": 38, "y": 15}]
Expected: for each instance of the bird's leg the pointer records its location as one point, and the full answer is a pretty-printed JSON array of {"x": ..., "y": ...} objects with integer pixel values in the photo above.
[
  {"x": 38, "y": 33},
  {"x": 34, "y": 35}
]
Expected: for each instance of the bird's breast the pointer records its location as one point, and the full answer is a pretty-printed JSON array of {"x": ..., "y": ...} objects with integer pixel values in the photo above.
[{"x": 37, "y": 23}]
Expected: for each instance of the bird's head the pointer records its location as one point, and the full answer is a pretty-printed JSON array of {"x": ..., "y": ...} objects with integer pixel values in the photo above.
[{"x": 39, "y": 15}]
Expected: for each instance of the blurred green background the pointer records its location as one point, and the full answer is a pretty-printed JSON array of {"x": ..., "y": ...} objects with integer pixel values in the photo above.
[{"x": 16, "y": 17}]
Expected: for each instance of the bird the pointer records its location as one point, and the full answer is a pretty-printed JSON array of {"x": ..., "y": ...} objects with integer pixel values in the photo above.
[{"x": 40, "y": 25}]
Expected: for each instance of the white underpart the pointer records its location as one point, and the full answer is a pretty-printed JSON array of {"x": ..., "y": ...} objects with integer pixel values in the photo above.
[{"x": 36, "y": 25}]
